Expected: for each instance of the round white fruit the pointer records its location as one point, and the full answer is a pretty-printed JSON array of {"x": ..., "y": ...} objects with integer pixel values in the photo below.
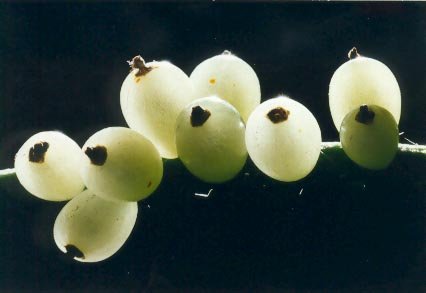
[
  {"x": 360, "y": 81},
  {"x": 210, "y": 139},
  {"x": 151, "y": 98},
  {"x": 47, "y": 166},
  {"x": 283, "y": 139},
  {"x": 91, "y": 229},
  {"x": 230, "y": 78},
  {"x": 369, "y": 136},
  {"x": 121, "y": 164}
]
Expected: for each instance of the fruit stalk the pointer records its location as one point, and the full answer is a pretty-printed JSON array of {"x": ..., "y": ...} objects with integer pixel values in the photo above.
[
  {"x": 7, "y": 172},
  {"x": 333, "y": 149},
  {"x": 402, "y": 147}
]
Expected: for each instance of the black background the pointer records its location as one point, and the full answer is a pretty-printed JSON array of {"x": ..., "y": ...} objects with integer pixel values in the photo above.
[{"x": 62, "y": 66}]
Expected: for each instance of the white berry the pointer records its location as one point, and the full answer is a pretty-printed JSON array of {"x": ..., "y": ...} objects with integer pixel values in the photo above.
[
  {"x": 210, "y": 139},
  {"x": 121, "y": 164},
  {"x": 363, "y": 80},
  {"x": 283, "y": 139},
  {"x": 47, "y": 166},
  {"x": 151, "y": 98},
  {"x": 230, "y": 78},
  {"x": 91, "y": 229}
]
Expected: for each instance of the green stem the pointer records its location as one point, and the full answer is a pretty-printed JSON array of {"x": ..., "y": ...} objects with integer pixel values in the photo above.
[
  {"x": 7, "y": 172},
  {"x": 326, "y": 147},
  {"x": 403, "y": 147}
]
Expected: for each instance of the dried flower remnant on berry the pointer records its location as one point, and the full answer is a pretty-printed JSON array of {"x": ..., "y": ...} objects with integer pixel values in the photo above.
[
  {"x": 97, "y": 155},
  {"x": 278, "y": 115},
  {"x": 199, "y": 116},
  {"x": 38, "y": 151},
  {"x": 139, "y": 64},
  {"x": 73, "y": 252},
  {"x": 353, "y": 53},
  {"x": 365, "y": 115}
]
